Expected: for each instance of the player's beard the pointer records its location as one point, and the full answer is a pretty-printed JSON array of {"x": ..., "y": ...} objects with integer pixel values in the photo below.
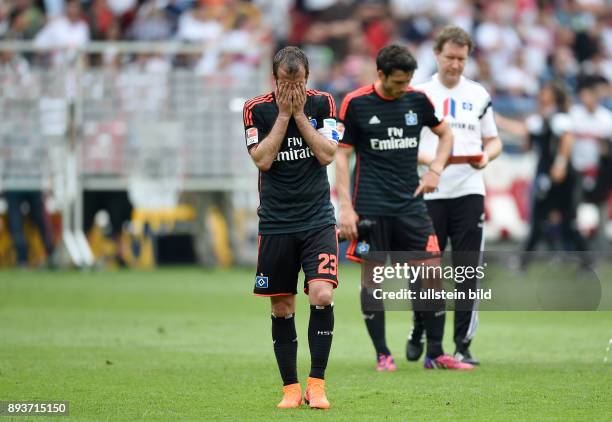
[{"x": 390, "y": 92}]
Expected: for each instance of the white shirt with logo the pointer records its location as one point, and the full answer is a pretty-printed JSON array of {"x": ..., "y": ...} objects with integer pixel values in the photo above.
[{"x": 467, "y": 109}]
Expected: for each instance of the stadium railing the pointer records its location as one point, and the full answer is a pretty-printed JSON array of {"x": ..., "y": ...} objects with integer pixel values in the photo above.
[{"x": 148, "y": 118}]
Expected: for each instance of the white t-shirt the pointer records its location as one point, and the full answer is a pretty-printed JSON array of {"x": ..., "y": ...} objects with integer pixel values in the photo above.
[
  {"x": 467, "y": 109},
  {"x": 560, "y": 123},
  {"x": 195, "y": 30},
  {"x": 61, "y": 32},
  {"x": 588, "y": 128}
]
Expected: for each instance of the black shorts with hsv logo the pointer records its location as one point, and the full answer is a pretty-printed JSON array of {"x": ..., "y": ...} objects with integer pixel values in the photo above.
[
  {"x": 413, "y": 233},
  {"x": 281, "y": 256}
]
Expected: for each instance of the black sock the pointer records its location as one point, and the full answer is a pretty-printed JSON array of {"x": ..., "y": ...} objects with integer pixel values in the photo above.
[
  {"x": 320, "y": 334},
  {"x": 418, "y": 328},
  {"x": 284, "y": 338},
  {"x": 434, "y": 329},
  {"x": 374, "y": 320}
]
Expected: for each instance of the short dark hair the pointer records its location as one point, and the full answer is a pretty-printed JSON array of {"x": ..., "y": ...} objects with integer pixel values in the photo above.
[
  {"x": 395, "y": 57},
  {"x": 455, "y": 35},
  {"x": 291, "y": 58},
  {"x": 589, "y": 82}
]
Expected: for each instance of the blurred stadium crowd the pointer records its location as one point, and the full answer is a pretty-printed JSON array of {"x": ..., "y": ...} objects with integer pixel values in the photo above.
[{"x": 520, "y": 44}]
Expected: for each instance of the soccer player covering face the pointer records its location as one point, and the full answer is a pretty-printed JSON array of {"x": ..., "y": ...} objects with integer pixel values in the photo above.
[
  {"x": 457, "y": 206},
  {"x": 291, "y": 137},
  {"x": 382, "y": 125}
]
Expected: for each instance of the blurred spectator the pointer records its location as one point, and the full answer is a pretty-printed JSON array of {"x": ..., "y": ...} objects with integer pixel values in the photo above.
[
  {"x": 274, "y": 14},
  {"x": 203, "y": 23},
  {"x": 415, "y": 20},
  {"x": 591, "y": 155},
  {"x": 519, "y": 42},
  {"x": 118, "y": 210},
  {"x": 244, "y": 33},
  {"x": 26, "y": 19},
  {"x": 585, "y": 37},
  {"x": 69, "y": 30},
  {"x": 458, "y": 12},
  {"x": 111, "y": 56},
  {"x": 538, "y": 33},
  {"x": 121, "y": 7},
  {"x": 599, "y": 65},
  {"x": 554, "y": 199},
  {"x": 516, "y": 80},
  {"x": 13, "y": 65},
  {"x": 34, "y": 202},
  {"x": 332, "y": 26},
  {"x": 606, "y": 35},
  {"x": 562, "y": 66},
  {"x": 378, "y": 26},
  {"x": 175, "y": 8},
  {"x": 241, "y": 46},
  {"x": 152, "y": 23},
  {"x": 497, "y": 37},
  {"x": 53, "y": 8},
  {"x": 4, "y": 18},
  {"x": 101, "y": 19}
]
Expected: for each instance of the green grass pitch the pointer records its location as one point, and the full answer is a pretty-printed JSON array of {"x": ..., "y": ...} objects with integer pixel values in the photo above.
[{"x": 191, "y": 344}]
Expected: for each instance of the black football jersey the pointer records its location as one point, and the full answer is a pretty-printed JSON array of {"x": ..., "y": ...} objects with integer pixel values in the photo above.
[
  {"x": 385, "y": 133},
  {"x": 294, "y": 194}
]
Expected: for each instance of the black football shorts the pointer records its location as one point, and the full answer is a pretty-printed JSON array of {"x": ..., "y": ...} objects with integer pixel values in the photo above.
[
  {"x": 413, "y": 233},
  {"x": 281, "y": 256}
]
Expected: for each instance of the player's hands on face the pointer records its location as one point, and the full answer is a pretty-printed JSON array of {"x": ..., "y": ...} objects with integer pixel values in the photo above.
[
  {"x": 482, "y": 163},
  {"x": 299, "y": 98},
  {"x": 429, "y": 183},
  {"x": 348, "y": 220},
  {"x": 284, "y": 99}
]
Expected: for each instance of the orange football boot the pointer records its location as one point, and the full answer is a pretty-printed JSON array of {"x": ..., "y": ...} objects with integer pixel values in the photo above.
[
  {"x": 292, "y": 397},
  {"x": 315, "y": 394}
]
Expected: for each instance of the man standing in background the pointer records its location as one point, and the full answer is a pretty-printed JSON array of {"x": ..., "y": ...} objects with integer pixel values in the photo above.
[
  {"x": 456, "y": 207},
  {"x": 383, "y": 123},
  {"x": 592, "y": 126}
]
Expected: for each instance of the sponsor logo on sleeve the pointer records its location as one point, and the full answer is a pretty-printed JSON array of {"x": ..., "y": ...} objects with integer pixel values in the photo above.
[
  {"x": 330, "y": 123},
  {"x": 252, "y": 136},
  {"x": 331, "y": 128},
  {"x": 340, "y": 130}
]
